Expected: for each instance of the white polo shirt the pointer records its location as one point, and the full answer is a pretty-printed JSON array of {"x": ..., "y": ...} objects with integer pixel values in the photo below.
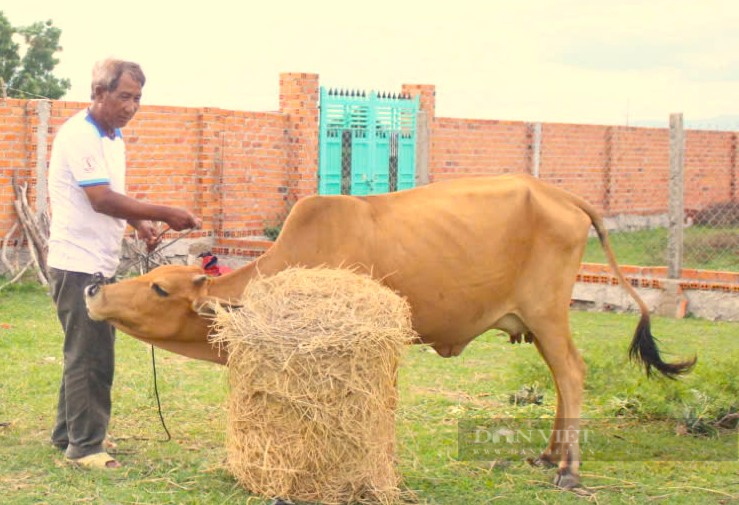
[{"x": 82, "y": 240}]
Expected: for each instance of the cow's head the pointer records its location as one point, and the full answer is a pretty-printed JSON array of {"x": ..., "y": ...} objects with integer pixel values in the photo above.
[{"x": 168, "y": 308}]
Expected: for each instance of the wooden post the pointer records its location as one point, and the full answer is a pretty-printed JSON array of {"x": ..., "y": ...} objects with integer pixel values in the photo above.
[{"x": 676, "y": 196}]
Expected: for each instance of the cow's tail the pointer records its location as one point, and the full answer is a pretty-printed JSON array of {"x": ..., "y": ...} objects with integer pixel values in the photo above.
[{"x": 644, "y": 349}]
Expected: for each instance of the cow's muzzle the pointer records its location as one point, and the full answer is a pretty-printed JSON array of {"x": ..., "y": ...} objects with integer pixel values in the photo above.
[{"x": 98, "y": 281}]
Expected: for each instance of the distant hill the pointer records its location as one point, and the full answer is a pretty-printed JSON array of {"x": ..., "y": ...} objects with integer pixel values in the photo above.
[{"x": 727, "y": 122}]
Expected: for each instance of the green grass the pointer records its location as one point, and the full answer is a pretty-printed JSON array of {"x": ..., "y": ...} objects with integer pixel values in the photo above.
[
  {"x": 703, "y": 248},
  {"x": 435, "y": 395}
]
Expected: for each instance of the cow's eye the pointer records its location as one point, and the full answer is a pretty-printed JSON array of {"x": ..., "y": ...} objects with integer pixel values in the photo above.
[{"x": 158, "y": 289}]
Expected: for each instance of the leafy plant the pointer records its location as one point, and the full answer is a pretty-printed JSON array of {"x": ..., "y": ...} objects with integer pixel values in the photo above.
[
  {"x": 695, "y": 419},
  {"x": 272, "y": 232},
  {"x": 626, "y": 407},
  {"x": 31, "y": 76},
  {"x": 527, "y": 395}
]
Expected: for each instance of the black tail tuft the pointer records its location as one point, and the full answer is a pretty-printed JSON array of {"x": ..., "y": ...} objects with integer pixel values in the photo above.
[{"x": 644, "y": 350}]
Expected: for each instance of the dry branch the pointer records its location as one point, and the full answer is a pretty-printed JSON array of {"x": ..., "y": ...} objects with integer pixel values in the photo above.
[
  {"x": 37, "y": 229},
  {"x": 729, "y": 421},
  {"x": 136, "y": 257},
  {"x": 36, "y": 232},
  {"x": 3, "y": 255},
  {"x": 17, "y": 276}
]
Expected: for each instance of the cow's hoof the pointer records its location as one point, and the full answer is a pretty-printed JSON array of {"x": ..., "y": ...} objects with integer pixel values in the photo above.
[
  {"x": 281, "y": 502},
  {"x": 542, "y": 461},
  {"x": 565, "y": 479}
]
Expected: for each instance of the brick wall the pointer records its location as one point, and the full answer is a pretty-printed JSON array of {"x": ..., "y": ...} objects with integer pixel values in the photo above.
[
  {"x": 710, "y": 168},
  {"x": 620, "y": 170},
  {"x": 575, "y": 157},
  {"x": 12, "y": 156},
  {"x": 463, "y": 147},
  {"x": 242, "y": 171}
]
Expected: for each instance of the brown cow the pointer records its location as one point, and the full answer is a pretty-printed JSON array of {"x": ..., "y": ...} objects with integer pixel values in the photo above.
[{"x": 470, "y": 255}]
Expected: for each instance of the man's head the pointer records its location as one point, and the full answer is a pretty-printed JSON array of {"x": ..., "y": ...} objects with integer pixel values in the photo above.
[{"x": 116, "y": 92}]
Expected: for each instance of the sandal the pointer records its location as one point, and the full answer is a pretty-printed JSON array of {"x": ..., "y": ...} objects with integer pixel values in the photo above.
[
  {"x": 99, "y": 461},
  {"x": 108, "y": 445}
]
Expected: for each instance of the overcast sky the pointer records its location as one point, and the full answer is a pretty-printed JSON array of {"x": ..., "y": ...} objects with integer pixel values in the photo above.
[{"x": 574, "y": 61}]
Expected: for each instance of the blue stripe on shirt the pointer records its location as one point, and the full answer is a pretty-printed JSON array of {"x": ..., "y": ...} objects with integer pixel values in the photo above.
[{"x": 94, "y": 182}]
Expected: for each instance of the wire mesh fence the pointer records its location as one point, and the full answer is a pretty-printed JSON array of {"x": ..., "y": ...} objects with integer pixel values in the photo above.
[
  {"x": 670, "y": 200},
  {"x": 712, "y": 238},
  {"x": 713, "y": 245}
]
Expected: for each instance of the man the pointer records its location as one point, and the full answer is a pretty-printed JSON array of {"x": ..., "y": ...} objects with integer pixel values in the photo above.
[{"x": 89, "y": 215}]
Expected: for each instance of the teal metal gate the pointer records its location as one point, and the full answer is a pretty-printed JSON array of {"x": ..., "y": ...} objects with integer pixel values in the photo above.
[{"x": 367, "y": 143}]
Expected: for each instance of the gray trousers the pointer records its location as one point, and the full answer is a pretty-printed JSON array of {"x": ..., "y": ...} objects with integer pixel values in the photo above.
[{"x": 84, "y": 405}]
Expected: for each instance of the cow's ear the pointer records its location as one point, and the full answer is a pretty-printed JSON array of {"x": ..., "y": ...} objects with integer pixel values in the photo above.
[
  {"x": 206, "y": 305},
  {"x": 199, "y": 280}
]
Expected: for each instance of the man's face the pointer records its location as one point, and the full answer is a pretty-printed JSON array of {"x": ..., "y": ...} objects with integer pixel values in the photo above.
[{"x": 118, "y": 107}]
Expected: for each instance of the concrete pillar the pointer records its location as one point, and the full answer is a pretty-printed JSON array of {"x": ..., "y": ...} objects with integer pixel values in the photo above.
[
  {"x": 672, "y": 301},
  {"x": 43, "y": 110},
  {"x": 423, "y": 148},
  {"x": 536, "y": 149},
  {"x": 209, "y": 205},
  {"x": 677, "y": 198},
  {"x": 424, "y": 128}
]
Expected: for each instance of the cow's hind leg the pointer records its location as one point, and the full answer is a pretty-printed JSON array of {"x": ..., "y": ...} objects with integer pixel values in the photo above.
[{"x": 555, "y": 344}]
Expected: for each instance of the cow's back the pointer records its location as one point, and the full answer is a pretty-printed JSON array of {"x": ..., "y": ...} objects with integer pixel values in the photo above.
[{"x": 464, "y": 252}]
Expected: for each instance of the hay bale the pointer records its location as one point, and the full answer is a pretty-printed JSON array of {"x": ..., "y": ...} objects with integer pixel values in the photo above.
[{"x": 313, "y": 361}]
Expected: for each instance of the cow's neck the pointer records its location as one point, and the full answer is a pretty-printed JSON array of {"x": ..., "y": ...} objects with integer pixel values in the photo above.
[
  {"x": 231, "y": 286},
  {"x": 197, "y": 350}
]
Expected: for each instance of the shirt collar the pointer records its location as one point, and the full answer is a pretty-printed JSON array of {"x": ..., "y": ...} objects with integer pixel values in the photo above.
[{"x": 100, "y": 130}]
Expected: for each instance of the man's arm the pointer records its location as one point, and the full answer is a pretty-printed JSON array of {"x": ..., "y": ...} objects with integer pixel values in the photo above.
[{"x": 106, "y": 201}]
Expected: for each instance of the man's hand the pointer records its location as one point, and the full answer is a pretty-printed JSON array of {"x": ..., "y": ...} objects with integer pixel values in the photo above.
[
  {"x": 181, "y": 219},
  {"x": 148, "y": 233}
]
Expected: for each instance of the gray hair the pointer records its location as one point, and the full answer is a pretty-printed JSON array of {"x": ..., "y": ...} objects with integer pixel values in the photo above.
[{"x": 107, "y": 73}]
